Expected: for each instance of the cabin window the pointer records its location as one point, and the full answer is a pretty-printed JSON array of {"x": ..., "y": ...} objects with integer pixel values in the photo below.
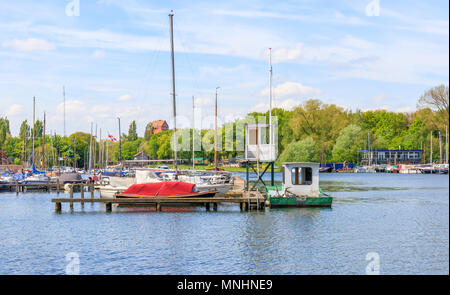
[
  {"x": 301, "y": 176},
  {"x": 253, "y": 136}
]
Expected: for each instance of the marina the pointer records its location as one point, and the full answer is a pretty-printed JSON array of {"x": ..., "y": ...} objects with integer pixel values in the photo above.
[{"x": 224, "y": 139}]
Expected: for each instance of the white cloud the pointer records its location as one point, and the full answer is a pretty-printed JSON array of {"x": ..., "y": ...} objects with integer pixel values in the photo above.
[
  {"x": 287, "y": 104},
  {"x": 379, "y": 98},
  {"x": 72, "y": 106},
  {"x": 404, "y": 110},
  {"x": 30, "y": 44},
  {"x": 286, "y": 54},
  {"x": 292, "y": 89},
  {"x": 98, "y": 54},
  {"x": 13, "y": 110},
  {"x": 124, "y": 97},
  {"x": 356, "y": 42}
]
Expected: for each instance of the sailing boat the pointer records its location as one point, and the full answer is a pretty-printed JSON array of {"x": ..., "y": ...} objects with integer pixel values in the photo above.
[{"x": 152, "y": 189}]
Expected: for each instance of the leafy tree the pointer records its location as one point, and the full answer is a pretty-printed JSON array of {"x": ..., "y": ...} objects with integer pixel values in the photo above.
[
  {"x": 25, "y": 130},
  {"x": 148, "y": 131},
  {"x": 350, "y": 139},
  {"x": 304, "y": 150},
  {"x": 132, "y": 133},
  {"x": 437, "y": 99}
]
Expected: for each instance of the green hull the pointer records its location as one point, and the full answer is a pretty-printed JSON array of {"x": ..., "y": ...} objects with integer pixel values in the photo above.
[{"x": 321, "y": 201}]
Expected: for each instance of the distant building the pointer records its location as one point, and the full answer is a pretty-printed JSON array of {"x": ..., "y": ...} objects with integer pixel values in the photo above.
[
  {"x": 141, "y": 156},
  {"x": 392, "y": 157},
  {"x": 160, "y": 125}
]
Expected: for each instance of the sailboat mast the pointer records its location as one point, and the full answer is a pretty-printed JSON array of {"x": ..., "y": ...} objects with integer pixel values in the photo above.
[
  {"x": 193, "y": 133},
  {"x": 215, "y": 133},
  {"x": 43, "y": 144},
  {"x": 270, "y": 104},
  {"x": 64, "y": 110},
  {"x": 90, "y": 150},
  {"x": 173, "y": 97},
  {"x": 34, "y": 122},
  {"x": 431, "y": 147}
]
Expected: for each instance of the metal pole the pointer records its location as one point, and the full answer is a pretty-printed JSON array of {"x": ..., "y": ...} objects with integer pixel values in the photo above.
[
  {"x": 446, "y": 144},
  {"x": 34, "y": 126},
  {"x": 215, "y": 133},
  {"x": 173, "y": 97},
  {"x": 90, "y": 150},
  {"x": 431, "y": 147},
  {"x": 120, "y": 144},
  {"x": 270, "y": 106},
  {"x": 64, "y": 110},
  {"x": 193, "y": 134},
  {"x": 43, "y": 144}
]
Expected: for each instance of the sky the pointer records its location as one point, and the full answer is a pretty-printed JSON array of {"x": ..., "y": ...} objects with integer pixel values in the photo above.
[{"x": 113, "y": 58}]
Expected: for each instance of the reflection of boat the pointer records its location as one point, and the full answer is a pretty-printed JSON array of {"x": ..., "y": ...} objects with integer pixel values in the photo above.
[
  {"x": 166, "y": 189},
  {"x": 300, "y": 187}
]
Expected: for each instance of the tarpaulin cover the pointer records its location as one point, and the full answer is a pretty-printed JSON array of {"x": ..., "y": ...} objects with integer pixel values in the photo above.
[{"x": 167, "y": 188}]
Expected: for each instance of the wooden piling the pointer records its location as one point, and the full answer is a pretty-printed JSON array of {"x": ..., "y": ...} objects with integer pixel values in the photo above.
[
  {"x": 17, "y": 187},
  {"x": 57, "y": 186},
  {"x": 108, "y": 207},
  {"x": 82, "y": 194},
  {"x": 92, "y": 190},
  {"x": 158, "y": 207},
  {"x": 71, "y": 196},
  {"x": 215, "y": 206},
  {"x": 57, "y": 207}
]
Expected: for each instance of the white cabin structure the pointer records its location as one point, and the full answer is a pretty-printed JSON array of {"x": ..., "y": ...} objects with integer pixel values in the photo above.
[
  {"x": 301, "y": 178},
  {"x": 261, "y": 142}
]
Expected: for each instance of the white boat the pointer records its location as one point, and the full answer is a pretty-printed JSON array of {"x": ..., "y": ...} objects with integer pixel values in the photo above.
[
  {"x": 204, "y": 180},
  {"x": 36, "y": 179}
]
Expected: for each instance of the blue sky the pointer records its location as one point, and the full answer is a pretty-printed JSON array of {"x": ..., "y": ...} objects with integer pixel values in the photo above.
[{"x": 114, "y": 59}]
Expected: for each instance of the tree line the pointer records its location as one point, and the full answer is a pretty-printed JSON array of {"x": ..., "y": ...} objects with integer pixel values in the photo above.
[{"x": 312, "y": 131}]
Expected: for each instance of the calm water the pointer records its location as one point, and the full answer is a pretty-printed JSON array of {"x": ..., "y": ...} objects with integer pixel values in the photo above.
[{"x": 404, "y": 218}]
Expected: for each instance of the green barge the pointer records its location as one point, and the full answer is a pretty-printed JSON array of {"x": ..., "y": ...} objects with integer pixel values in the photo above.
[{"x": 300, "y": 187}]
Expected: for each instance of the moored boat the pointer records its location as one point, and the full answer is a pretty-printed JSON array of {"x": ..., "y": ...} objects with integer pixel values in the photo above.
[
  {"x": 166, "y": 189},
  {"x": 300, "y": 188}
]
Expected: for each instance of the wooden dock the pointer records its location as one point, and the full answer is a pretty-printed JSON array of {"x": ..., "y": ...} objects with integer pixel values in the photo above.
[
  {"x": 47, "y": 187},
  {"x": 247, "y": 201}
]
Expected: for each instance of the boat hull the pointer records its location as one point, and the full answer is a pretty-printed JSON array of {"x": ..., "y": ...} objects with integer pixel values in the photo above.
[
  {"x": 208, "y": 194},
  {"x": 322, "y": 201}
]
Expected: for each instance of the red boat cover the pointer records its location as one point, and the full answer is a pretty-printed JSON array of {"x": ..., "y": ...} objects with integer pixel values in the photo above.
[{"x": 168, "y": 188}]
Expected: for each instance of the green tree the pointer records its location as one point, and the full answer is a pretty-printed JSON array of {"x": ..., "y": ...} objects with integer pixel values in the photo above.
[
  {"x": 304, "y": 150},
  {"x": 350, "y": 139},
  {"x": 132, "y": 133}
]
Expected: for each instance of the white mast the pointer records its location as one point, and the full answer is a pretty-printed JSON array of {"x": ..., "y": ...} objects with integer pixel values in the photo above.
[
  {"x": 174, "y": 109},
  {"x": 64, "y": 110},
  {"x": 270, "y": 104},
  {"x": 193, "y": 133},
  {"x": 431, "y": 147}
]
